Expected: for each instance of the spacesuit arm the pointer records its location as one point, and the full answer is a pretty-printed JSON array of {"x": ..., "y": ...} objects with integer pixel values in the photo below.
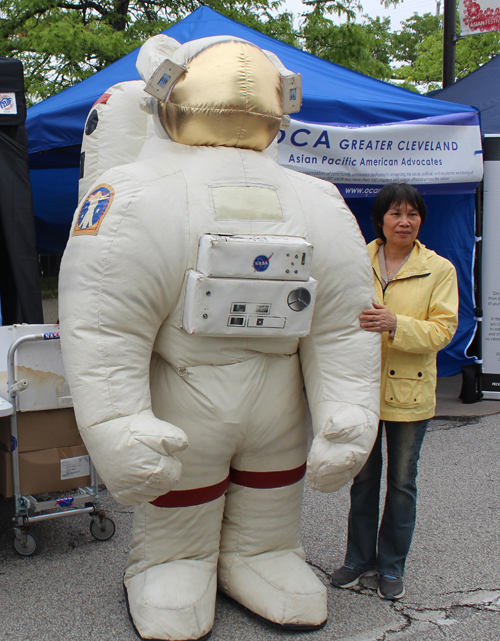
[
  {"x": 340, "y": 361},
  {"x": 116, "y": 288}
]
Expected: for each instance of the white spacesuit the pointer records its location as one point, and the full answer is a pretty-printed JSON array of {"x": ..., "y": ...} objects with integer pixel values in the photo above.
[{"x": 217, "y": 410}]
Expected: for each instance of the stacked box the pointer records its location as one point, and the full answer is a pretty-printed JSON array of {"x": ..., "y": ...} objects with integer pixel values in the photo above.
[
  {"x": 41, "y": 430},
  {"x": 52, "y": 457}
]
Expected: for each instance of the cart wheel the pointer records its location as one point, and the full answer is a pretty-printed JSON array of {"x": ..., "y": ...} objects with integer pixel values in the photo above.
[
  {"x": 102, "y": 530},
  {"x": 29, "y": 549}
]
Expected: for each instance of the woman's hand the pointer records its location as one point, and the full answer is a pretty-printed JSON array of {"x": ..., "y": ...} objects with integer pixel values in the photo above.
[{"x": 378, "y": 319}]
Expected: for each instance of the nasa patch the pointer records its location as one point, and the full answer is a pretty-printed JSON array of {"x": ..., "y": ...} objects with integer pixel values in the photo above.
[
  {"x": 93, "y": 210},
  {"x": 261, "y": 263}
]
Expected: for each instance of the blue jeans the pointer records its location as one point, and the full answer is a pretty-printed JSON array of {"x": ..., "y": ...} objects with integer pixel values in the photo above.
[{"x": 386, "y": 549}]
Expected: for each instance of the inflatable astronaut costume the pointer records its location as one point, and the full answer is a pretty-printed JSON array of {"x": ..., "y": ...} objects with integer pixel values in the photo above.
[{"x": 186, "y": 297}]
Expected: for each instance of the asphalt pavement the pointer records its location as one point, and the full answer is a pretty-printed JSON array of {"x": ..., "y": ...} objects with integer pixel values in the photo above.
[{"x": 71, "y": 590}]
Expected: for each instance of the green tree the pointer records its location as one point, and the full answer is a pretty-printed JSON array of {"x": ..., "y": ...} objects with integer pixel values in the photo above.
[
  {"x": 414, "y": 30},
  {"x": 361, "y": 47},
  {"x": 380, "y": 33},
  {"x": 62, "y": 42},
  {"x": 420, "y": 46}
]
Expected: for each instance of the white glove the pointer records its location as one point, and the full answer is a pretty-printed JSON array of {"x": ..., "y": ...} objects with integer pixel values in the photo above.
[
  {"x": 135, "y": 456},
  {"x": 341, "y": 446}
]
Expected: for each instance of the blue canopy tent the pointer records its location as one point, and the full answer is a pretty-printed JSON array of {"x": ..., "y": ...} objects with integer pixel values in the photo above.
[
  {"x": 331, "y": 94},
  {"x": 482, "y": 88}
]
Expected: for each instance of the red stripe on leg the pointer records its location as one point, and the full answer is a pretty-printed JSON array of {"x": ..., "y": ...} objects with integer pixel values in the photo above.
[
  {"x": 267, "y": 480},
  {"x": 188, "y": 498}
]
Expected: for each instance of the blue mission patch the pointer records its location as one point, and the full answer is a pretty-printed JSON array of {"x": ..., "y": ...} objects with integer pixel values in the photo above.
[{"x": 93, "y": 210}]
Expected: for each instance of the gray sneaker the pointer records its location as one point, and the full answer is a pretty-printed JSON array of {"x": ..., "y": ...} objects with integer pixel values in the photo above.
[
  {"x": 390, "y": 587},
  {"x": 347, "y": 576}
]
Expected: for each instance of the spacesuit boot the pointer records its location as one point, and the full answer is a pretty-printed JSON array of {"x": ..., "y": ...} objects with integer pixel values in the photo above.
[
  {"x": 261, "y": 563},
  {"x": 171, "y": 580}
]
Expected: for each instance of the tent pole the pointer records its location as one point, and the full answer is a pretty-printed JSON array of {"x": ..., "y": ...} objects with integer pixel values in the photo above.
[{"x": 449, "y": 41}]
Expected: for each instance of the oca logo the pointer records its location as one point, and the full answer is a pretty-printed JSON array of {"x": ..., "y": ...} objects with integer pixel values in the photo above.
[{"x": 261, "y": 263}]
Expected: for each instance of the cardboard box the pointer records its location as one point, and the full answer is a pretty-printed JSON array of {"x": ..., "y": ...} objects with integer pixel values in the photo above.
[
  {"x": 52, "y": 470},
  {"x": 41, "y": 430}
]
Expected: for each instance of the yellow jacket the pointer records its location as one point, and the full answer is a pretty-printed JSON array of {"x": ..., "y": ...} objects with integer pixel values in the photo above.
[{"x": 424, "y": 297}]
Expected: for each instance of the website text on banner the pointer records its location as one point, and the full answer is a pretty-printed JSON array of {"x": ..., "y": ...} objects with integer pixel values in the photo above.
[
  {"x": 360, "y": 160},
  {"x": 479, "y": 16}
]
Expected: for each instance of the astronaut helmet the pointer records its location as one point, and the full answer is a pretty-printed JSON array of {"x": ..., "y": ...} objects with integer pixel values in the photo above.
[{"x": 220, "y": 90}]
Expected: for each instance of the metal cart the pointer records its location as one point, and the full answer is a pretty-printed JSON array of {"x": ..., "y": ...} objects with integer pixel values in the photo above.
[{"x": 28, "y": 509}]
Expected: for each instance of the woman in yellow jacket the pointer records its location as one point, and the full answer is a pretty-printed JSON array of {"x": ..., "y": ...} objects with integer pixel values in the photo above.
[{"x": 417, "y": 315}]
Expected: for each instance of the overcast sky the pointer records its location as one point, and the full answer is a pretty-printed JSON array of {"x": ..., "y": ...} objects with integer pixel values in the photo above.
[{"x": 373, "y": 8}]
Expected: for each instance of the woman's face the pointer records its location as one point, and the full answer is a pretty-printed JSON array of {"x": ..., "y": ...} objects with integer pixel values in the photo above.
[{"x": 401, "y": 224}]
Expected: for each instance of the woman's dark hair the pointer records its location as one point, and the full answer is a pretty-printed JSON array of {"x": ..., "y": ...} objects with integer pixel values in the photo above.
[{"x": 395, "y": 194}]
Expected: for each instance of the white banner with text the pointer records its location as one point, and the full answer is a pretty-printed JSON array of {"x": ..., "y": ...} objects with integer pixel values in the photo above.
[{"x": 430, "y": 154}]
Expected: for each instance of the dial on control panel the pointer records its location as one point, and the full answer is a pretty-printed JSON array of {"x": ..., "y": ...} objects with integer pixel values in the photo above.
[{"x": 298, "y": 299}]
